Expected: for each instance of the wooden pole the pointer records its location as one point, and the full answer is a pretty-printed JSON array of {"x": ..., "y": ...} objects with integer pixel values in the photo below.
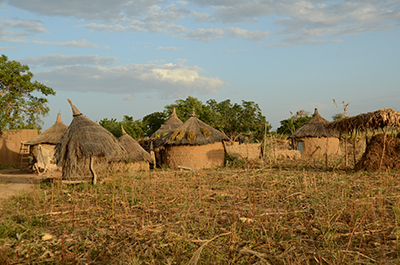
[
  {"x": 326, "y": 153},
  {"x": 354, "y": 146},
  {"x": 345, "y": 149},
  {"x": 92, "y": 170},
  {"x": 265, "y": 140},
  {"x": 383, "y": 151}
]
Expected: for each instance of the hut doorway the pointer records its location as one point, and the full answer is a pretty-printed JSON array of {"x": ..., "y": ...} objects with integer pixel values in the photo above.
[{"x": 300, "y": 146}]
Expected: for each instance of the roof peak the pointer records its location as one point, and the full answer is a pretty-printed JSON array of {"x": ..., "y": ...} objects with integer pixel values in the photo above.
[
  {"x": 193, "y": 114},
  {"x": 75, "y": 111},
  {"x": 59, "y": 118},
  {"x": 123, "y": 131}
]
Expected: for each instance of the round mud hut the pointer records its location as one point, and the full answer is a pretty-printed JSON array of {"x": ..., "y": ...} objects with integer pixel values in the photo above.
[
  {"x": 49, "y": 138},
  {"x": 193, "y": 145},
  {"x": 172, "y": 123},
  {"x": 314, "y": 139},
  {"x": 86, "y": 149},
  {"x": 138, "y": 158}
]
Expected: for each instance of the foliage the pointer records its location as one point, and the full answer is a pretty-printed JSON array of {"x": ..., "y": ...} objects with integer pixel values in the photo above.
[
  {"x": 235, "y": 119},
  {"x": 20, "y": 107},
  {"x": 134, "y": 128},
  {"x": 184, "y": 109},
  {"x": 153, "y": 122},
  {"x": 288, "y": 126}
]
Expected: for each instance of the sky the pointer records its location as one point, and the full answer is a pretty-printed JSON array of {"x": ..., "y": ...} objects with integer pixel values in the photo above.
[{"x": 128, "y": 57}]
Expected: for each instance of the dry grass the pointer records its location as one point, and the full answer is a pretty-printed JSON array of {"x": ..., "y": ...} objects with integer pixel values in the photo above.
[{"x": 248, "y": 215}]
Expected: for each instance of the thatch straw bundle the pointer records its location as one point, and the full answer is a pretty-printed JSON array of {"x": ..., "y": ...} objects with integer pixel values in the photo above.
[
  {"x": 51, "y": 135},
  {"x": 191, "y": 136},
  {"x": 173, "y": 123},
  {"x": 197, "y": 137},
  {"x": 85, "y": 142},
  {"x": 315, "y": 127},
  {"x": 205, "y": 131},
  {"x": 372, "y": 120},
  {"x": 135, "y": 150}
]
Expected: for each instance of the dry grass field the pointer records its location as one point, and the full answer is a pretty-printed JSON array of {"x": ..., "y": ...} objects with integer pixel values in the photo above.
[{"x": 284, "y": 213}]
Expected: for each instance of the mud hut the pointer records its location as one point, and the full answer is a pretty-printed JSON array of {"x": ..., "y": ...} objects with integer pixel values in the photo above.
[
  {"x": 49, "y": 138},
  {"x": 194, "y": 144},
  {"x": 138, "y": 158},
  {"x": 314, "y": 139},
  {"x": 172, "y": 123},
  {"x": 86, "y": 149}
]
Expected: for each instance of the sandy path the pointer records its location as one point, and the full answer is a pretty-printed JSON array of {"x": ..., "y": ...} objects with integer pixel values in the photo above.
[{"x": 13, "y": 181}]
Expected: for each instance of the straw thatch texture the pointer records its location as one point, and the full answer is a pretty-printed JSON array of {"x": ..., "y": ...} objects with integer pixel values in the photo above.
[
  {"x": 315, "y": 127},
  {"x": 380, "y": 149},
  {"x": 82, "y": 140},
  {"x": 192, "y": 132},
  {"x": 173, "y": 123},
  {"x": 135, "y": 150},
  {"x": 372, "y": 120},
  {"x": 51, "y": 135}
]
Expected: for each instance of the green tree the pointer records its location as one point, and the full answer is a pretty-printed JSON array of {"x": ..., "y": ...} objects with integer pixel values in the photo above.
[
  {"x": 132, "y": 127},
  {"x": 153, "y": 122},
  {"x": 184, "y": 109},
  {"x": 20, "y": 105},
  {"x": 236, "y": 119},
  {"x": 288, "y": 126}
]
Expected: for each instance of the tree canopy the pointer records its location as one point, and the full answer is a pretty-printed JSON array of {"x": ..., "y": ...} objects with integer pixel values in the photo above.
[
  {"x": 288, "y": 126},
  {"x": 21, "y": 106},
  {"x": 231, "y": 118}
]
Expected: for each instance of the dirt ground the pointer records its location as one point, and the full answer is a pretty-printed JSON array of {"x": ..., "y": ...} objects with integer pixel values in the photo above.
[{"x": 13, "y": 181}]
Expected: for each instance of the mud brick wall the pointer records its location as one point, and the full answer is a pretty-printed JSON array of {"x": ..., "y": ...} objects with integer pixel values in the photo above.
[
  {"x": 195, "y": 156},
  {"x": 249, "y": 151},
  {"x": 10, "y": 145}
]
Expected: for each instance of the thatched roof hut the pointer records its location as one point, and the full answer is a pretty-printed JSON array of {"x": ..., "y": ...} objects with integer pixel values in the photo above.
[
  {"x": 137, "y": 155},
  {"x": 86, "y": 148},
  {"x": 372, "y": 120},
  {"x": 172, "y": 123},
  {"x": 314, "y": 138},
  {"x": 194, "y": 144},
  {"x": 51, "y": 135}
]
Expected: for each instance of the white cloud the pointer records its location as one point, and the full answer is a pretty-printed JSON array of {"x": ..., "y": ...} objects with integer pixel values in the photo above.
[
  {"x": 128, "y": 97},
  {"x": 113, "y": 28},
  {"x": 73, "y": 43},
  {"x": 256, "y": 35},
  {"x": 60, "y": 59},
  {"x": 169, "y": 48},
  {"x": 168, "y": 80},
  {"x": 205, "y": 35}
]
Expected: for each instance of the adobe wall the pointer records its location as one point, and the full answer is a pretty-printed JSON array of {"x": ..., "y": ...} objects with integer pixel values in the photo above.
[
  {"x": 314, "y": 147},
  {"x": 249, "y": 151},
  {"x": 10, "y": 145},
  {"x": 194, "y": 156}
]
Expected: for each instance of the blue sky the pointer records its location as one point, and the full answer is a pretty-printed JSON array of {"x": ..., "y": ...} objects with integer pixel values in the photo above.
[{"x": 123, "y": 57}]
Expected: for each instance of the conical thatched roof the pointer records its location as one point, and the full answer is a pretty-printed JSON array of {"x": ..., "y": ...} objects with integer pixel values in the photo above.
[
  {"x": 173, "y": 123},
  {"x": 192, "y": 132},
  {"x": 135, "y": 150},
  {"x": 372, "y": 120},
  {"x": 51, "y": 135},
  {"x": 315, "y": 127},
  {"x": 83, "y": 139}
]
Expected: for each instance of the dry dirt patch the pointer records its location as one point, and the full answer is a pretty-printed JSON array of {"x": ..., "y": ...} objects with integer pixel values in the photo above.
[{"x": 13, "y": 181}]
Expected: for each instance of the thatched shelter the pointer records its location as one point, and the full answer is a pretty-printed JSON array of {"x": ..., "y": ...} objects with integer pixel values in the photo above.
[
  {"x": 138, "y": 159},
  {"x": 86, "y": 149},
  {"x": 49, "y": 138},
  {"x": 172, "y": 123},
  {"x": 384, "y": 119},
  {"x": 315, "y": 139},
  {"x": 194, "y": 144}
]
